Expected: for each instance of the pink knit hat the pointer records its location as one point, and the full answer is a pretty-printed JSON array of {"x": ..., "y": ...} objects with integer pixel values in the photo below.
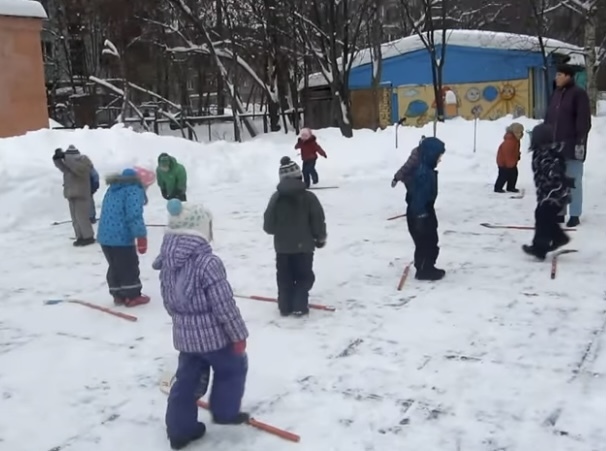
[{"x": 305, "y": 134}]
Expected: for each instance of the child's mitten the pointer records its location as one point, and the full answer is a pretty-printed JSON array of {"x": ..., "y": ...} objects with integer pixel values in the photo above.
[{"x": 142, "y": 245}]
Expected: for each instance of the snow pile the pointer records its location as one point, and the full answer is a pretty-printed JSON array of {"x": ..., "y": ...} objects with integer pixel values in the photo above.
[
  {"x": 26, "y": 167},
  {"x": 495, "y": 347},
  {"x": 22, "y": 8}
]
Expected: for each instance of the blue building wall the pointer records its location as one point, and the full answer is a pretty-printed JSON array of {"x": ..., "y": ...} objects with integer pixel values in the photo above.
[{"x": 462, "y": 65}]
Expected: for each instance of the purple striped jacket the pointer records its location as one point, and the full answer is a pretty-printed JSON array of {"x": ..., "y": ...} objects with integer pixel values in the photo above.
[{"x": 197, "y": 295}]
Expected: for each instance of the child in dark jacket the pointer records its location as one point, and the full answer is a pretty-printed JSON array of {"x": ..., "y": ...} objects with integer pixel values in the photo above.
[
  {"x": 553, "y": 192},
  {"x": 422, "y": 192},
  {"x": 295, "y": 217},
  {"x": 121, "y": 234},
  {"x": 508, "y": 156},
  {"x": 405, "y": 173},
  {"x": 310, "y": 149},
  {"x": 208, "y": 329}
]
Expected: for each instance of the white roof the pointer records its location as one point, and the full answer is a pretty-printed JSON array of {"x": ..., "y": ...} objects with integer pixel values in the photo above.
[
  {"x": 22, "y": 8},
  {"x": 466, "y": 38}
]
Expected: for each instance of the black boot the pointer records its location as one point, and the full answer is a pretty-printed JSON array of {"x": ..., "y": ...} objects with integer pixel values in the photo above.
[
  {"x": 301, "y": 313},
  {"x": 81, "y": 242},
  {"x": 241, "y": 418},
  {"x": 534, "y": 251},
  {"x": 573, "y": 221},
  {"x": 182, "y": 443},
  {"x": 562, "y": 240},
  {"x": 432, "y": 273}
]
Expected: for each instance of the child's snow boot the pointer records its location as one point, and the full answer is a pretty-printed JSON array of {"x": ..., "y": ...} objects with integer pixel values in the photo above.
[
  {"x": 534, "y": 251},
  {"x": 140, "y": 300},
  {"x": 431, "y": 273},
  {"x": 182, "y": 443},
  {"x": 81, "y": 242},
  {"x": 559, "y": 242},
  {"x": 300, "y": 313},
  {"x": 573, "y": 221},
  {"x": 118, "y": 302},
  {"x": 241, "y": 418}
]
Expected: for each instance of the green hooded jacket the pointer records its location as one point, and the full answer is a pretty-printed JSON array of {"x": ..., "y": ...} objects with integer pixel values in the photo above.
[{"x": 172, "y": 183}]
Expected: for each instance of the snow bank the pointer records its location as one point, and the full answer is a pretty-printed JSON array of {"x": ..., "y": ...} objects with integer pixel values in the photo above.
[
  {"x": 31, "y": 185},
  {"x": 22, "y": 8},
  {"x": 54, "y": 124}
]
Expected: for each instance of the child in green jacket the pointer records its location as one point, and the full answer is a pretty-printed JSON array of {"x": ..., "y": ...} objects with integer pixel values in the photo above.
[{"x": 171, "y": 177}]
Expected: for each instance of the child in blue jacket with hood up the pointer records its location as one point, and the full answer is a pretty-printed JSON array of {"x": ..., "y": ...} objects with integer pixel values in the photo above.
[
  {"x": 121, "y": 226},
  {"x": 422, "y": 192}
]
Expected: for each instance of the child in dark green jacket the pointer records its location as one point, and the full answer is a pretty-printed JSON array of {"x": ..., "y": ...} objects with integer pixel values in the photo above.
[{"x": 171, "y": 177}]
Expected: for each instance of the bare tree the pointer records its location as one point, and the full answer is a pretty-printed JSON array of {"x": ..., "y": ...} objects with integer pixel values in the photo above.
[
  {"x": 331, "y": 32},
  {"x": 587, "y": 10},
  {"x": 541, "y": 11},
  {"x": 211, "y": 47},
  {"x": 431, "y": 28}
]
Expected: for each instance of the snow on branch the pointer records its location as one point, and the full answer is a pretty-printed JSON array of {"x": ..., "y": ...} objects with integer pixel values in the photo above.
[
  {"x": 110, "y": 49},
  {"x": 119, "y": 92}
]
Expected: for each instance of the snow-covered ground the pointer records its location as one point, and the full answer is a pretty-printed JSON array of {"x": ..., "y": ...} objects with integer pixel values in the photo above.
[{"x": 476, "y": 362}]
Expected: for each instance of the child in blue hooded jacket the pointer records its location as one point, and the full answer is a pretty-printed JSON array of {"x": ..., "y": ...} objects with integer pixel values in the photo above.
[
  {"x": 122, "y": 233},
  {"x": 422, "y": 192}
]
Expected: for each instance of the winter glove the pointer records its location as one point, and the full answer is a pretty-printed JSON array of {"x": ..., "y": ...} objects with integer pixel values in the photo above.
[
  {"x": 59, "y": 155},
  {"x": 320, "y": 243},
  {"x": 394, "y": 182},
  {"x": 240, "y": 347},
  {"x": 569, "y": 182},
  {"x": 579, "y": 152},
  {"x": 164, "y": 194},
  {"x": 142, "y": 245}
]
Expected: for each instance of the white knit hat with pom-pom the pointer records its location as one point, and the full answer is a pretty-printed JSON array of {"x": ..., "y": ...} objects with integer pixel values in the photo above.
[{"x": 189, "y": 219}]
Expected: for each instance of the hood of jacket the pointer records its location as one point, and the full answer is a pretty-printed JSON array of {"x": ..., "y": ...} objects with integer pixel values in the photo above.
[
  {"x": 119, "y": 181},
  {"x": 430, "y": 150},
  {"x": 542, "y": 135},
  {"x": 164, "y": 157},
  {"x": 291, "y": 187},
  {"x": 178, "y": 249}
]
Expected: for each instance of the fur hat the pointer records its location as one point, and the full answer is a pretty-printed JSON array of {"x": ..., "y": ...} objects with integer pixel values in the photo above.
[
  {"x": 305, "y": 134},
  {"x": 289, "y": 169},
  {"x": 189, "y": 219},
  {"x": 517, "y": 129}
]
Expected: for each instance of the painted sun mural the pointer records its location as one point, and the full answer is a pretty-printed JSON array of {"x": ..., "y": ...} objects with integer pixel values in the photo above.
[{"x": 490, "y": 100}]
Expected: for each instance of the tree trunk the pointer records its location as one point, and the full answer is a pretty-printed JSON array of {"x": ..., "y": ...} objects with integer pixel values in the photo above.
[
  {"x": 590, "y": 45},
  {"x": 341, "y": 101}
]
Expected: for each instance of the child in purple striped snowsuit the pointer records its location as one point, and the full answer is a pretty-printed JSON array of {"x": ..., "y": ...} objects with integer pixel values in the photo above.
[{"x": 208, "y": 329}]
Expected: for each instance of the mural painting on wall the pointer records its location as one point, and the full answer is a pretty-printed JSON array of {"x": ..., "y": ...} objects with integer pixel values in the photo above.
[{"x": 490, "y": 100}]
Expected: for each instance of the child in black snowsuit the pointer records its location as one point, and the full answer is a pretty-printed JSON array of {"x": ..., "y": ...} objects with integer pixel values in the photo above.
[
  {"x": 553, "y": 192},
  {"x": 295, "y": 217},
  {"x": 422, "y": 192}
]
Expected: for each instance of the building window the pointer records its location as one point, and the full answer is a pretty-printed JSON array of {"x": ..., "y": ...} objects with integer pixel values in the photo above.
[{"x": 47, "y": 52}]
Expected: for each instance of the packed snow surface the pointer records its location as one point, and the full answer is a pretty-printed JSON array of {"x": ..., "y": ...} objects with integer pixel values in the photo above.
[
  {"x": 22, "y": 8},
  {"x": 485, "y": 360}
]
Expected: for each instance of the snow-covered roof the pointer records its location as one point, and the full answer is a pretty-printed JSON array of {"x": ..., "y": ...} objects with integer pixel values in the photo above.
[
  {"x": 22, "y": 8},
  {"x": 466, "y": 38}
]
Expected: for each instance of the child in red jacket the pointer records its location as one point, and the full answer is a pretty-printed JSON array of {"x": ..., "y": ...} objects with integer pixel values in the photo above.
[{"x": 309, "y": 154}]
